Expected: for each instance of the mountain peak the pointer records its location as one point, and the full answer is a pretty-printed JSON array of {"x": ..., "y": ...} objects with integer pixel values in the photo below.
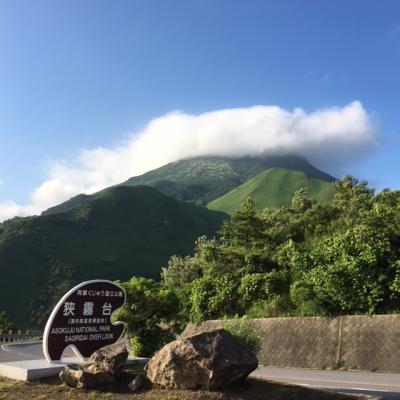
[{"x": 203, "y": 179}]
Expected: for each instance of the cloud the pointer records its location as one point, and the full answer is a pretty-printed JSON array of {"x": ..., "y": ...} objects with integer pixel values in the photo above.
[{"x": 330, "y": 138}]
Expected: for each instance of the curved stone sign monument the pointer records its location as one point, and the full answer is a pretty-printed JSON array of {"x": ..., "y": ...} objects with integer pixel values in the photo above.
[{"x": 82, "y": 319}]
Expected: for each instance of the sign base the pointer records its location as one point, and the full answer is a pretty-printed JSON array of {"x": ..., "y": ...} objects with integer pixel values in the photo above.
[
  {"x": 30, "y": 370},
  {"x": 34, "y": 369}
]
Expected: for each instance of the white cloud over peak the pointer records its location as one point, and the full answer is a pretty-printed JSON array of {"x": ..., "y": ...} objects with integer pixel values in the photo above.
[{"x": 329, "y": 138}]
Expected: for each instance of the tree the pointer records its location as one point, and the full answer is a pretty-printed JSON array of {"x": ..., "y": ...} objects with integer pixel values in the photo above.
[
  {"x": 350, "y": 272},
  {"x": 300, "y": 201},
  {"x": 178, "y": 277},
  {"x": 353, "y": 198},
  {"x": 180, "y": 272},
  {"x": 309, "y": 259},
  {"x": 148, "y": 314},
  {"x": 214, "y": 297},
  {"x": 244, "y": 228},
  {"x": 5, "y": 322}
]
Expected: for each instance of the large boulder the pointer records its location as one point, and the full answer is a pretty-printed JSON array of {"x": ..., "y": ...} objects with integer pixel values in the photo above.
[
  {"x": 110, "y": 359},
  {"x": 208, "y": 360},
  {"x": 80, "y": 378},
  {"x": 101, "y": 369}
]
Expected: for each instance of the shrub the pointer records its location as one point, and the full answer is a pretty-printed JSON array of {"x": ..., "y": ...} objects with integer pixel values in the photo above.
[
  {"x": 148, "y": 314},
  {"x": 5, "y": 322},
  {"x": 242, "y": 330}
]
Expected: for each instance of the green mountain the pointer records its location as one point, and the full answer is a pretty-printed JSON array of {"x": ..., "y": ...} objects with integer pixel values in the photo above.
[
  {"x": 273, "y": 188},
  {"x": 203, "y": 179},
  {"x": 68, "y": 205},
  {"x": 133, "y": 228},
  {"x": 117, "y": 233}
]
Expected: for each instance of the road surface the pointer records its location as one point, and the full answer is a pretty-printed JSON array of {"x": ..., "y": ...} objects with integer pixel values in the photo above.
[
  {"x": 25, "y": 351},
  {"x": 383, "y": 386}
]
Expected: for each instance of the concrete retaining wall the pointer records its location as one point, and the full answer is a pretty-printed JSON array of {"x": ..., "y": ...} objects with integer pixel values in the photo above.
[{"x": 350, "y": 342}]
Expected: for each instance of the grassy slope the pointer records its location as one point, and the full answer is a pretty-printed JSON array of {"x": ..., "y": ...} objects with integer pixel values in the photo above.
[
  {"x": 118, "y": 233},
  {"x": 273, "y": 188},
  {"x": 203, "y": 179}
]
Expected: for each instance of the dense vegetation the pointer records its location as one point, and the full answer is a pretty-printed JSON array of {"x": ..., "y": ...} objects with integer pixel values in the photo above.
[
  {"x": 5, "y": 322},
  {"x": 273, "y": 188},
  {"x": 341, "y": 257},
  {"x": 119, "y": 232},
  {"x": 149, "y": 315},
  {"x": 130, "y": 229}
]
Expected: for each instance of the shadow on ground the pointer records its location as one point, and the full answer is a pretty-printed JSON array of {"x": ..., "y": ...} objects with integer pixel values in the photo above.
[{"x": 251, "y": 389}]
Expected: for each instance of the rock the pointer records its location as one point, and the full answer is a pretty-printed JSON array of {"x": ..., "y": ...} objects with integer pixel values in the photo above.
[
  {"x": 137, "y": 383},
  {"x": 102, "y": 368},
  {"x": 71, "y": 375},
  {"x": 110, "y": 359},
  {"x": 208, "y": 360},
  {"x": 82, "y": 379}
]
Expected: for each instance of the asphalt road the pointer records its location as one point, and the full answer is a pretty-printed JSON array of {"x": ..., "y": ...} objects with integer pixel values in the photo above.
[
  {"x": 383, "y": 386},
  {"x": 25, "y": 351}
]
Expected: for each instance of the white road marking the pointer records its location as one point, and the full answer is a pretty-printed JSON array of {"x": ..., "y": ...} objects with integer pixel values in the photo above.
[
  {"x": 296, "y": 379},
  {"x": 345, "y": 388}
]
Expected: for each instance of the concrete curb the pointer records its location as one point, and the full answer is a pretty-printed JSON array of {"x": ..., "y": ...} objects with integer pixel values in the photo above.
[{"x": 29, "y": 370}]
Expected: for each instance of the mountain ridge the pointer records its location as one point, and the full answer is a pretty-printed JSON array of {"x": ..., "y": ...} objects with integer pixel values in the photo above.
[{"x": 203, "y": 179}]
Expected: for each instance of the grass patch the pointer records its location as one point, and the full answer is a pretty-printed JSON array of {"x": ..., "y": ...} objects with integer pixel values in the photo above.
[
  {"x": 4, "y": 386},
  {"x": 273, "y": 188}
]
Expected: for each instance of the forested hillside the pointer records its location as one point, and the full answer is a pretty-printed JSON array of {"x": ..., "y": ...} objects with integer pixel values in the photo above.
[
  {"x": 119, "y": 232},
  {"x": 341, "y": 257},
  {"x": 131, "y": 229}
]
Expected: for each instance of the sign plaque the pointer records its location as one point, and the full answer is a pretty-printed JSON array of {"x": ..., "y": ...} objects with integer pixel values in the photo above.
[{"x": 82, "y": 320}]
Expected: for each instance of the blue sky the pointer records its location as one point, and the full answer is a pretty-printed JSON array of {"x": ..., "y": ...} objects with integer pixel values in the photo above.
[{"x": 85, "y": 74}]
